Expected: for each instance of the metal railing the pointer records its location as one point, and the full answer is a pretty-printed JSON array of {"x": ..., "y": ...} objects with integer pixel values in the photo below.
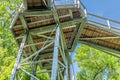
[
  {"x": 109, "y": 23},
  {"x": 71, "y": 4},
  {"x": 82, "y": 8},
  {"x": 64, "y": 2}
]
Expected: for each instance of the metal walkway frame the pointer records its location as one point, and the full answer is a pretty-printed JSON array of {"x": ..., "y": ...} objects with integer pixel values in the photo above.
[
  {"x": 107, "y": 25},
  {"x": 60, "y": 69}
]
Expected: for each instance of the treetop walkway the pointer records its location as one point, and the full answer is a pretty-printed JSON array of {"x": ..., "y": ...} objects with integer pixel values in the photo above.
[{"x": 47, "y": 30}]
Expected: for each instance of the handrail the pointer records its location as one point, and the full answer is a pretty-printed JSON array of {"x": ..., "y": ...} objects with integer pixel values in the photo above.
[
  {"x": 83, "y": 9},
  {"x": 82, "y": 4},
  {"x": 109, "y": 22},
  {"x": 103, "y": 18},
  {"x": 62, "y": 2},
  {"x": 73, "y": 3}
]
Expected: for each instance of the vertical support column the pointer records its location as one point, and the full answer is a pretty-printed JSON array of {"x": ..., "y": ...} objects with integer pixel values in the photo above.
[
  {"x": 14, "y": 71},
  {"x": 66, "y": 70},
  {"x": 66, "y": 55},
  {"x": 55, "y": 55}
]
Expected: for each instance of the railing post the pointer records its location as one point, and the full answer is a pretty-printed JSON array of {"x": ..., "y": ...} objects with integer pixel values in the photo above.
[
  {"x": 82, "y": 9},
  {"x": 108, "y": 23}
]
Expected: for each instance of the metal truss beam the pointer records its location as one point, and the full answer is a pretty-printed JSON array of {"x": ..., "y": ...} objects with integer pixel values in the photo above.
[
  {"x": 64, "y": 25},
  {"x": 104, "y": 49},
  {"x": 68, "y": 23},
  {"x": 59, "y": 70},
  {"x": 19, "y": 56},
  {"x": 94, "y": 38},
  {"x": 60, "y": 48},
  {"x": 30, "y": 41},
  {"x": 37, "y": 13},
  {"x": 78, "y": 34}
]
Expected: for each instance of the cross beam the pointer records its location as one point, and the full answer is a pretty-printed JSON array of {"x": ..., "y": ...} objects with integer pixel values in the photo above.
[{"x": 59, "y": 70}]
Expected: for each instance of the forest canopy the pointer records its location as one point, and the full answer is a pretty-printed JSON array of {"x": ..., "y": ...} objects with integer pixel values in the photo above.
[
  {"x": 8, "y": 46},
  {"x": 96, "y": 65}
]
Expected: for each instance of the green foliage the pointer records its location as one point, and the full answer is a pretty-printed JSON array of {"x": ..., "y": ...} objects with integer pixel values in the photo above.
[
  {"x": 8, "y": 47},
  {"x": 94, "y": 62},
  {"x": 6, "y": 69}
]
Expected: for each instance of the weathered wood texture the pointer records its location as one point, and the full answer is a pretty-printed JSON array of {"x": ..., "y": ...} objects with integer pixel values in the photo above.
[{"x": 101, "y": 37}]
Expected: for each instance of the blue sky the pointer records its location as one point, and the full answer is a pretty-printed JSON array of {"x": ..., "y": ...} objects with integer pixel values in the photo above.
[{"x": 105, "y": 8}]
